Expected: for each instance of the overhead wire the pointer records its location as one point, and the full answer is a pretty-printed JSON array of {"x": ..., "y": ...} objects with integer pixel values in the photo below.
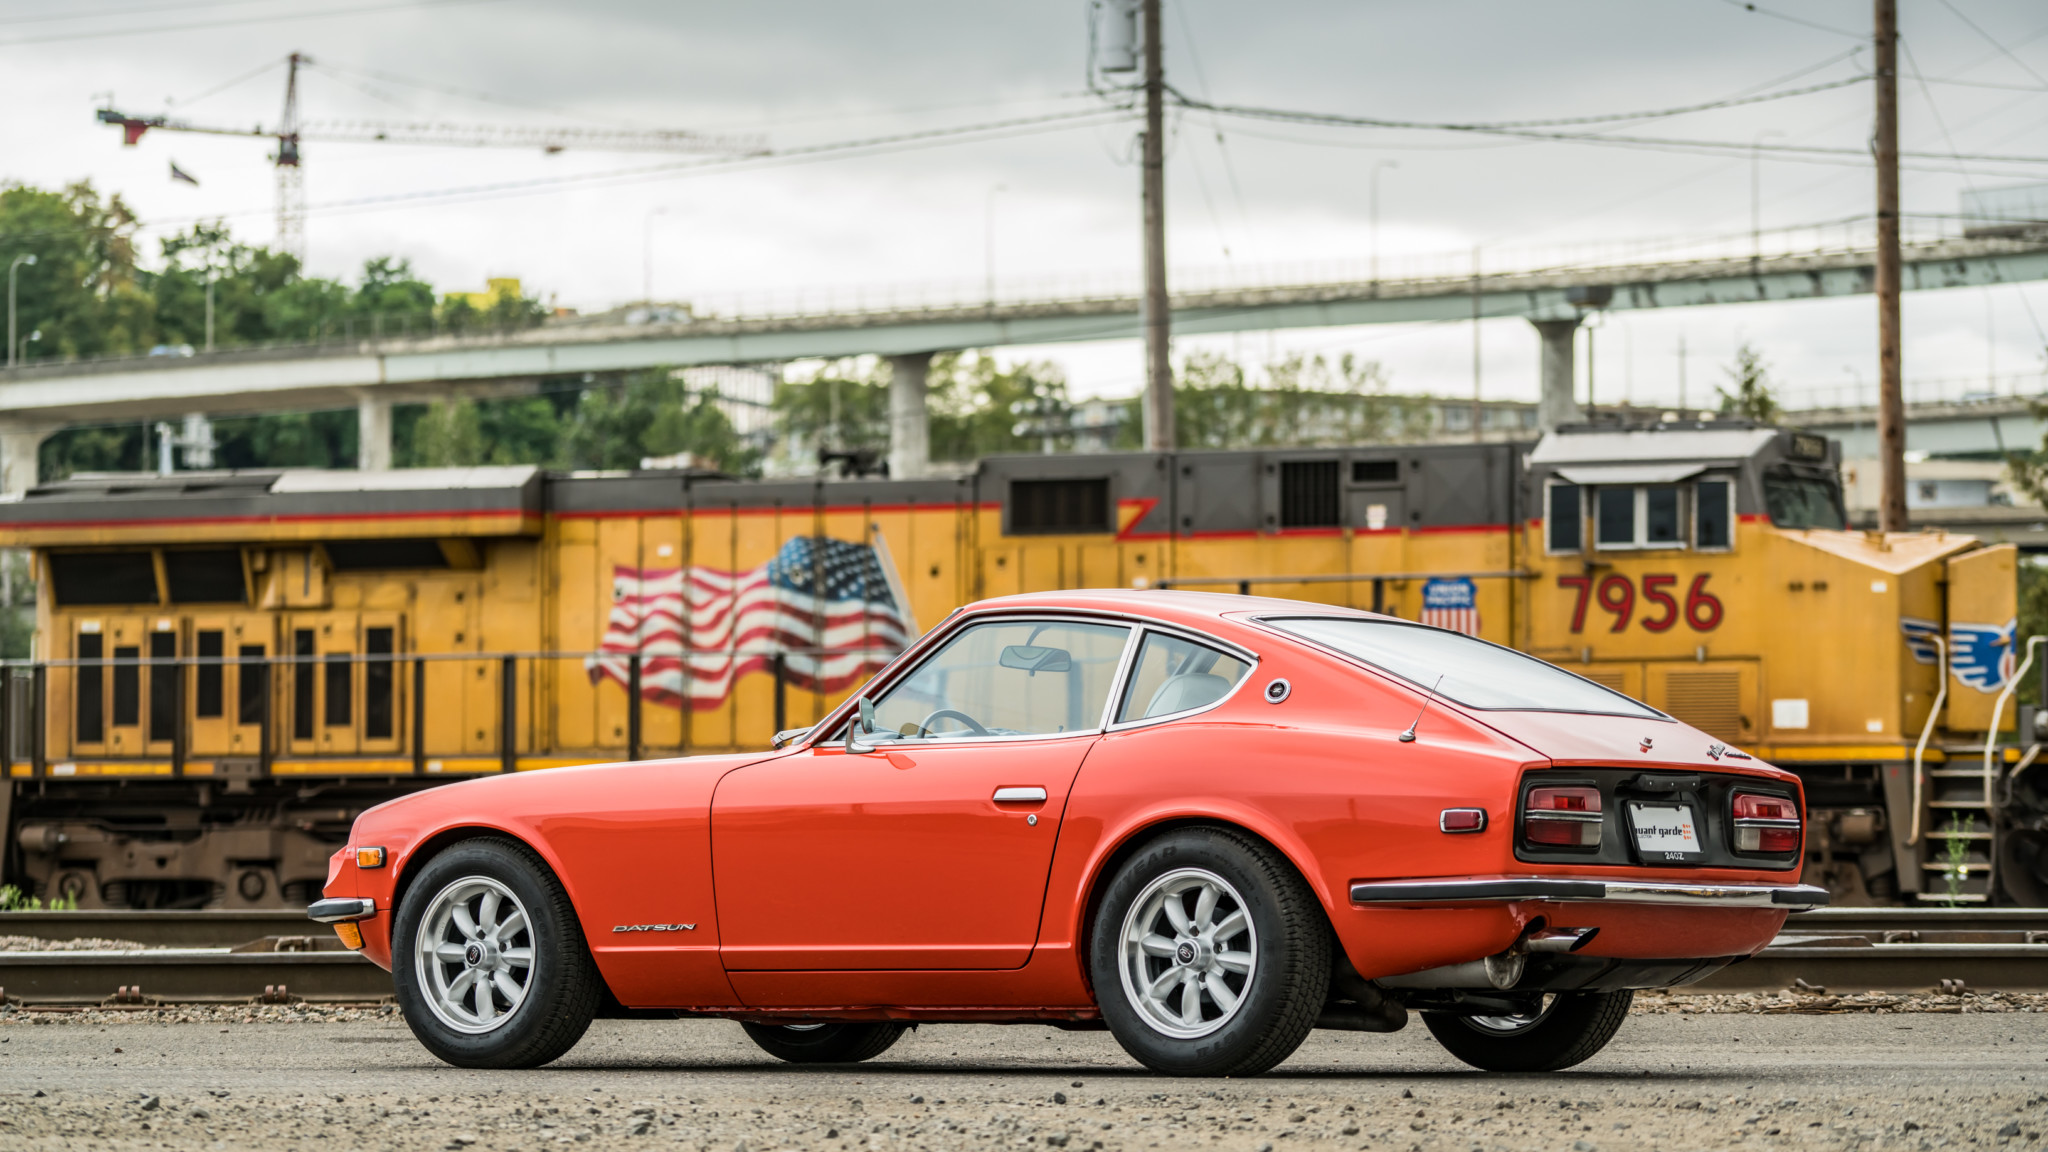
[
  {"x": 1993, "y": 41},
  {"x": 1776, "y": 15},
  {"x": 103, "y": 13},
  {"x": 161, "y": 29},
  {"x": 219, "y": 88}
]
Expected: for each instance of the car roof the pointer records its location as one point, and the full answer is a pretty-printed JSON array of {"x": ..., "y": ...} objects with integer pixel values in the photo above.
[{"x": 1168, "y": 605}]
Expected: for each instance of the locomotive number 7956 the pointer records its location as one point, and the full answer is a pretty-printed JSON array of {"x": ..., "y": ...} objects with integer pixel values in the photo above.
[{"x": 1617, "y": 595}]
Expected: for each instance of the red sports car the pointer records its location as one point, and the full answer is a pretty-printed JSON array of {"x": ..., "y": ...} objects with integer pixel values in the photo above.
[{"x": 1207, "y": 823}]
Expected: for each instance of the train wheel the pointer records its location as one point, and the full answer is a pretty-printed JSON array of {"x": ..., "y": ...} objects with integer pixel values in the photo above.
[
  {"x": 488, "y": 960},
  {"x": 1210, "y": 956},
  {"x": 1568, "y": 1030},
  {"x": 845, "y": 1043}
]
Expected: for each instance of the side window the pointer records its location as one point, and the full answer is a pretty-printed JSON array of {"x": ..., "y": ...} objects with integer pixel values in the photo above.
[
  {"x": 1008, "y": 678},
  {"x": 1713, "y": 514},
  {"x": 1175, "y": 675},
  {"x": 1614, "y": 517},
  {"x": 1566, "y": 524}
]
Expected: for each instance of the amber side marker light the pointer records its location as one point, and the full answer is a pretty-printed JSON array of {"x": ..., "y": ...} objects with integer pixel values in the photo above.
[
  {"x": 1563, "y": 818},
  {"x": 369, "y": 857},
  {"x": 1767, "y": 825},
  {"x": 351, "y": 935}
]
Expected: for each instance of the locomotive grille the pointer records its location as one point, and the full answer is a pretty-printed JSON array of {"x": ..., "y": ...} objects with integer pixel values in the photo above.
[
  {"x": 1308, "y": 495},
  {"x": 1709, "y": 701},
  {"x": 1614, "y": 680}
]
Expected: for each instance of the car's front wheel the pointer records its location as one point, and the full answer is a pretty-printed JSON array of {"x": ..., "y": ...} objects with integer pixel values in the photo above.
[
  {"x": 1210, "y": 955},
  {"x": 843, "y": 1043},
  {"x": 1567, "y": 1030},
  {"x": 488, "y": 960}
]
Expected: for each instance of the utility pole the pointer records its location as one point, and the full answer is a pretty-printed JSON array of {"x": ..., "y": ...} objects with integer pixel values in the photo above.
[
  {"x": 1155, "y": 313},
  {"x": 1891, "y": 400}
]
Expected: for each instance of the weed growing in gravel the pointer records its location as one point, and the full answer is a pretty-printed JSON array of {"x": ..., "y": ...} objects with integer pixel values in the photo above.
[
  {"x": 13, "y": 899},
  {"x": 1956, "y": 849}
]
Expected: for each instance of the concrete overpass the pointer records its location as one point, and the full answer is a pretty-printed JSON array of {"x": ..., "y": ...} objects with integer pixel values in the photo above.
[{"x": 37, "y": 400}]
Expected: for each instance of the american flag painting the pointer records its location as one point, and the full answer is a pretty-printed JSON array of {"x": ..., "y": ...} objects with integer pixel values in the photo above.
[
  {"x": 1451, "y": 602},
  {"x": 829, "y": 606}
]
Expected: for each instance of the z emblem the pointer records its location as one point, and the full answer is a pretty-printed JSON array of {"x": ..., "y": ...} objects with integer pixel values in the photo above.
[
  {"x": 655, "y": 928},
  {"x": 1645, "y": 747}
]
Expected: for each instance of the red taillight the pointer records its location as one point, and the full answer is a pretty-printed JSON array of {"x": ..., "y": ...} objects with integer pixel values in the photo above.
[
  {"x": 1563, "y": 817},
  {"x": 1767, "y": 825}
]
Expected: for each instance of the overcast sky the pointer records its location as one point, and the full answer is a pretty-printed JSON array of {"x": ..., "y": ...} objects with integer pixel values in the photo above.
[{"x": 1059, "y": 201}]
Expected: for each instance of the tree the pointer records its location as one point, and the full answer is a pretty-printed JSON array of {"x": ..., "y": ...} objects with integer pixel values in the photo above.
[
  {"x": 977, "y": 408},
  {"x": 844, "y": 406},
  {"x": 652, "y": 414},
  {"x": 450, "y": 433},
  {"x": 1753, "y": 397},
  {"x": 1306, "y": 400},
  {"x": 83, "y": 292}
]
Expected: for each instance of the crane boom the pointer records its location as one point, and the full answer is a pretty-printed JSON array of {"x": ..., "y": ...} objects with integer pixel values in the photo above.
[{"x": 458, "y": 135}]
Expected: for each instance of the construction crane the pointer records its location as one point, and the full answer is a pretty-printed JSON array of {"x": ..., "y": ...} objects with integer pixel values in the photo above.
[{"x": 289, "y": 132}]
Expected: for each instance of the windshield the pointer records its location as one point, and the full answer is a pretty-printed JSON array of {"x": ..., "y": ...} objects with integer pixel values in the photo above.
[
  {"x": 1471, "y": 672},
  {"x": 1796, "y": 501}
]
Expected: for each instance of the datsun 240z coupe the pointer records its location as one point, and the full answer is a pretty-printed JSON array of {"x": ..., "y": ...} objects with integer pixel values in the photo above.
[{"x": 1207, "y": 823}]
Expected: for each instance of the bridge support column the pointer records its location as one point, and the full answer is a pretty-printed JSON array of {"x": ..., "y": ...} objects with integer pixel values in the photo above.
[
  {"x": 373, "y": 434},
  {"x": 1557, "y": 404},
  {"x": 910, "y": 431},
  {"x": 19, "y": 444}
]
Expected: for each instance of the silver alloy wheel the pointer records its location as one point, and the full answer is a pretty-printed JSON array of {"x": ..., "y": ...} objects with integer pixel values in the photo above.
[
  {"x": 1509, "y": 1025},
  {"x": 1188, "y": 953},
  {"x": 474, "y": 954}
]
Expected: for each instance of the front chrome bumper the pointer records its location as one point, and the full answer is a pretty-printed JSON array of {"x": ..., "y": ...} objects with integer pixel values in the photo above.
[
  {"x": 1501, "y": 890},
  {"x": 337, "y": 911}
]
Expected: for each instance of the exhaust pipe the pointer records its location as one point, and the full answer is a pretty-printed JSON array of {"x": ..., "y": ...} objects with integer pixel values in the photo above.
[
  {"x": 1559, "y": 939},
  {"x": 1498, "y": 972}
]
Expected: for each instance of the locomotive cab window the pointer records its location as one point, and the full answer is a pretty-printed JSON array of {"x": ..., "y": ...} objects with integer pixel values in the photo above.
[
  {"x": 1713, "y": 521},
  {"x": 1565, "y": 518},
  {"x": 1803, "y": 500},
  {"x": 1646, "y": 516}
]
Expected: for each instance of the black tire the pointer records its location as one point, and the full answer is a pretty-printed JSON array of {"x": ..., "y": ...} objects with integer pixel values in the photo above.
[
  {"x": 562, "y": 986},
  {"x": 1569, "y": 1030},
  {"x": 843, "y": 1043},
  {"x": 1280, "y": 995}
]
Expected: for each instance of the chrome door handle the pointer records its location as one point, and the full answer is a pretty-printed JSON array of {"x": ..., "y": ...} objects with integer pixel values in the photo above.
[{"x": 1020, "y": 795}]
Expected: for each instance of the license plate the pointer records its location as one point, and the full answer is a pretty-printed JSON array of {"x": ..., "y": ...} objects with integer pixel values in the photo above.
[{"x": 1665, "y": 832}]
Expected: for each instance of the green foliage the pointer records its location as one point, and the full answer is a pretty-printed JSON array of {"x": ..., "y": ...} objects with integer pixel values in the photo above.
[
  {"x": 1306, "y": 400},
  {"x": 977, "y": 408},
  {"x": 83, "y": 292},
  {"x": 1955, "y": 851},
  {"x": 13, "y": 899},
  {"x": 652, "y": 414},
  {"x": 843, "y": 406},
  {"x": 1753, "y": 397},
  {"x": 463, "y": 433}
]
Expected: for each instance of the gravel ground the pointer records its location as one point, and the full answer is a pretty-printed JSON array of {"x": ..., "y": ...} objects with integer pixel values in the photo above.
[
  {"x": 82, "y": 944},
  {"x": 1685, "y": 1073}
]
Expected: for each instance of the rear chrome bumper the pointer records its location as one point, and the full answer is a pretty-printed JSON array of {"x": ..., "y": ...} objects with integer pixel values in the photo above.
[
  {"x": 341, "y": 910},
  {"x": 1501, "y": 890}
]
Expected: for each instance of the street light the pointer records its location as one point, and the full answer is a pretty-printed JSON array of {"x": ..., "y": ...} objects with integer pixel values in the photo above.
[
  {"x": 30, "y": 260},
  {"x": 1756, "y": 201},
  {"x": 1375, "y": 181},
  {"x": 988, "y": 241}
]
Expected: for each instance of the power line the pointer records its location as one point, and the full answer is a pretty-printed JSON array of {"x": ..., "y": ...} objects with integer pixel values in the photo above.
[
  {"x": 1993, "y": 41},
  {"x": 51, "y": 17},
  {"x": 1794, "y": 19},
  {"x": 108, "y": 33}
]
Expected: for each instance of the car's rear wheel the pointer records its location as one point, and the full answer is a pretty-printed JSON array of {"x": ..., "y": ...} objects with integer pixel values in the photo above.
[
  {"x": 842, "y": 1043},
  {"x": 488, "y": 960},
  {"x": 1210, "y": 955},
  {"x": 1569, "y": 1029}
]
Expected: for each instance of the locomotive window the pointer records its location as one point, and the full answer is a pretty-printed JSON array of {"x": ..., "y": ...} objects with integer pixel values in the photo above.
[
  {"x": 103, "y": 577},
  {"x": 163, "y": 685},
  {"x": 302, "y": 684},
  {"x": 1567, "y": 519},
  {"x": 1614, "y": 517},
  {"x": 127, "y": 685},
  {"x": 1796, "y": 501},
  {"x": 1660, "y": 515},
  {"x": 254, "y": 685},
  {"x": 1309, "y": 496},
  {"x": 361, "y": 555},
  {"x": 209, "y": 680},
  {"x": 377, "y": 680},
  {"x": 1713, "y": 514},
  {"x": 91, "y": 725},
  {"x": 211, "y": 577},
  {"x": 1044, "y": 507}
]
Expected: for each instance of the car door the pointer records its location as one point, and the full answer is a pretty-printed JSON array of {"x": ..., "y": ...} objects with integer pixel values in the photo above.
[{"x": 930, "y": 849}]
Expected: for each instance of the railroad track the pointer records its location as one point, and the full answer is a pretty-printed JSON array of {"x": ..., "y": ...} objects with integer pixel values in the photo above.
[{"x": 236, "y": 957}]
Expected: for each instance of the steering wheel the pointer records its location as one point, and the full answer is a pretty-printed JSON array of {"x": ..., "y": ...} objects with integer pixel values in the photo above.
[{"x": 954, "y": 714}]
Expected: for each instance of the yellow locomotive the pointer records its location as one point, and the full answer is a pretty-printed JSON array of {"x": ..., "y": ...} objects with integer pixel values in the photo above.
[{"x": 230, "y": 666}]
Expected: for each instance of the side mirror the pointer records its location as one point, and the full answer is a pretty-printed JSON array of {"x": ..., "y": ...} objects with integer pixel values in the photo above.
[
  {"x": 861, "y": 723},
  {"x": 1032, "y": 659}
]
